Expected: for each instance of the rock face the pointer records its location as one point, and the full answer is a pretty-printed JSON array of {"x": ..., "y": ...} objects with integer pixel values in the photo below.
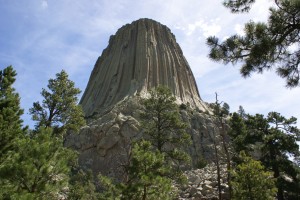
[{"x": 140, "y": 56}]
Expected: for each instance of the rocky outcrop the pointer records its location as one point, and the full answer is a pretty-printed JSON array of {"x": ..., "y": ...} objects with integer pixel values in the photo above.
[
  {"x": 104, "y": 143},
  {"x": 140, "y": 56},
  {"x": 203, "y": 184}
]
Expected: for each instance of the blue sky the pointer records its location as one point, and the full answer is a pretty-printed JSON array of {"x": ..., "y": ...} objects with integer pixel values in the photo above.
[{"x": 40, "y": 38}]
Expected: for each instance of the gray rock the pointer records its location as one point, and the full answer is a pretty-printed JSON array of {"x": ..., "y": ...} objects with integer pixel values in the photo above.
[{"x": 141, "y": 55}]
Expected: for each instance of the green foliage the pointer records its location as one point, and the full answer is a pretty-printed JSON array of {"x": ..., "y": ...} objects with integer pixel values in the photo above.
[
  {"x": 183, "y": 106},
  {"x": 147, "y": 172},
  {"x": 273, "y": 139},
  {"x": 238, "y": 5},
  {"x": 220, "y": 109},
  {"x": 81, "y": 185},
  {"x": 251, "y": 181},
  {"x": 59, "y": 108},
  {"x": 10, "y": 111},
  {"x": 162, "y": 124},
  {"x": 34, "y": 164},
  {"x": 201, "y": 163},
  {"x": 264, "y": 45},
  {"x": 146, "y": 177},
  {"x": 161, "y": 121},
  {"x": 38, "y": 168},
  {"x": 111, "y": 191}
]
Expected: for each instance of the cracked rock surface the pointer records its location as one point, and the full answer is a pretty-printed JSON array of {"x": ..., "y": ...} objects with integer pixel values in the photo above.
[{"x": 140, "y": 56}]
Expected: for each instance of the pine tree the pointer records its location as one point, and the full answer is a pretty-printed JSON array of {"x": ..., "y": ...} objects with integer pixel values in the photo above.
[
  {"x": 10, "y": 122},
  {"x": 221, "y": 110},
  {"x": 82, "y": 185},
  {"x": 147, "y": 172},
  {"x": 38, "y": 168},
  {"x": 251, "y": 181},
  {"x": 164, "y": 129},
  {"x": 10, "y": 111},
  {"x": 272, "y": 139},
  {"x": 59, "y": 108},
  {"x": 264, "y": 45},
  {"x": 146, "y": 177}
]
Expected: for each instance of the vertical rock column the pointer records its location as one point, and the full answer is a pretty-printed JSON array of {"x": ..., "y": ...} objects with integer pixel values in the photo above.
[{"x": 140, "y": 56}]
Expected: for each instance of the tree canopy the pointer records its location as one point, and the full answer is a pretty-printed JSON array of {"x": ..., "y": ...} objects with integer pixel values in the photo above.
[
  {"x": 35, "y": 164},
  {"x": 38, "y": 168},
  {"x": 251, "y": 181},
  {"x": 10, "y": 111},
  {"x": 265, "y": 45},
  {"x": 164, "y": 128},
  {"x": 59, "y": 107},
  {"x": 272, "y": 140}
]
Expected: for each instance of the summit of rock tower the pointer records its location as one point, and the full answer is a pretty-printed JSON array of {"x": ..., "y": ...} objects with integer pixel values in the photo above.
[{"x": 140, "y": 56}]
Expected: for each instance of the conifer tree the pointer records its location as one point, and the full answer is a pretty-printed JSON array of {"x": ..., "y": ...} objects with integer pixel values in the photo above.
[
  {"x": 10, "y": 122},
  {"x": 10, "y": 111},
  {"x": 251, "y": 181},
  {"x": 59, "y": 108},
  {"x": 221, "y": 111},
  {"x": 272, "y": 139},
  {"x": 264, "y": 45},
  {"x": 82, "y": 185},
  {"x": 164, "y": 129},
  {"x": 147, "y": 172},
  {"x": 38, "y": 168},
  {"x": 146, "y": 177}
]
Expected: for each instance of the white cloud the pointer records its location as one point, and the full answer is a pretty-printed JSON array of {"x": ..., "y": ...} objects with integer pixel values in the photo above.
[
  {"x": 239, "y": 29},
  {"x": 206, "y": 29}
]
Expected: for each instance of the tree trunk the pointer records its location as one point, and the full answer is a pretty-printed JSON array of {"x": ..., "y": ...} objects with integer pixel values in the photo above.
[{"x": 218, "y": 170}]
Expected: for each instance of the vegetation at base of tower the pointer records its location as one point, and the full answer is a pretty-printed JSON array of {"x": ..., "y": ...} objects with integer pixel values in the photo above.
[
  {"x": 155, "y": 161},
  {"x": 165, "y": 130},
  {"x": 82, "y": 185},
  {"x": 35, "y": 164},
  {"x": 59, "y": 108},
  {"x": 273, "y": 44},
  {"x": 38, "y": 168},
  {"x": 146, "y": 176},
  {"x": 272, "y": 140},
  {"x": 251, "y": 181}
]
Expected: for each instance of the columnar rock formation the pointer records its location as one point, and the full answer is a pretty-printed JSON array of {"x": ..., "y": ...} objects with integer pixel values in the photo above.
[{"x": 140, "y": 56}]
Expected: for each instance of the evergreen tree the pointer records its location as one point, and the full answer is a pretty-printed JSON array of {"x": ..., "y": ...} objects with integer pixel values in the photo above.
[
  {"x": 146, "y": 177},
  {"x": 264, "y": 45},
  {"x": 10, "y": 111},
  {"x": 82, "y": 185},
  {"x": 251, "y": 181},
  {"x": 38, "y": 168},
  {"x": 59, "y": 108},
  {"x": 221, "y": 110},
  {"x": 162, "y": 125},
  {"x": 147, "y": 172},
  {"x": 272, "y": 139}
]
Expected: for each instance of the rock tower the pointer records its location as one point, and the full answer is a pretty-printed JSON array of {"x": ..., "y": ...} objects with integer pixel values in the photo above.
[{"x": 140, "y": 56}]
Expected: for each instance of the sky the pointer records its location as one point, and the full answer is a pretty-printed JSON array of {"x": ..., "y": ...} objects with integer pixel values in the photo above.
[{"x": 39, "y": 38}]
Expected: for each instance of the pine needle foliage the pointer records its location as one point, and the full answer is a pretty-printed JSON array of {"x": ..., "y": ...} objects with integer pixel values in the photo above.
[
  {"x": 251, "y": 181},
  {"x": 265, "y": 45}
]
